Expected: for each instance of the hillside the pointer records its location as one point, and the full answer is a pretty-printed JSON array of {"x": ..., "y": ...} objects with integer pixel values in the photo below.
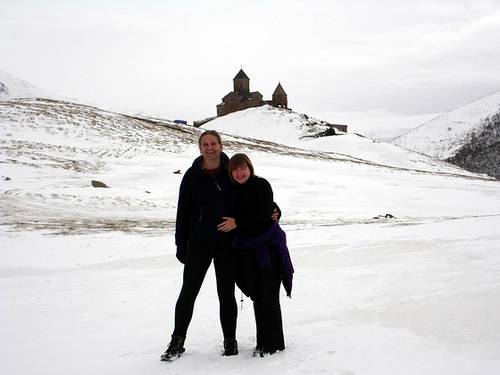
[
  {"x": 75, "y": 144},
  {"x": 481, "y": 151},
  {"x": 12, "y": 88},
  {"x": 78, "y": 144},
  {"x": 469, "y": 132},
  {"x": 298, "y": 130}
]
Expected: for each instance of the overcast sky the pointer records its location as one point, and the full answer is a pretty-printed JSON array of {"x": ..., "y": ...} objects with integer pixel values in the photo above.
[{"x": 378, "y": 66}]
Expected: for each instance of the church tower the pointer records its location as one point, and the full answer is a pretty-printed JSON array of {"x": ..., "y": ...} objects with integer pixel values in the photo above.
[
  {"x": 280, "y": 99},
  {"x": 241, "y": 83}
]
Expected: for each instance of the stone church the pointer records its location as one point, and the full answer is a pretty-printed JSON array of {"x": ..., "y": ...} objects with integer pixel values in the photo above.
[{"x": 242, "y": 98}]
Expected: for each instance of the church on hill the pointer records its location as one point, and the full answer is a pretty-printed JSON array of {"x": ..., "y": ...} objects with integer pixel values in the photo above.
[{"x": 242, "y": 98}]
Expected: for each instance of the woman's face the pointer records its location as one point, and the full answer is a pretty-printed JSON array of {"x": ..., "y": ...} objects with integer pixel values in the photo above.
[{"x": 241, "y": 174}]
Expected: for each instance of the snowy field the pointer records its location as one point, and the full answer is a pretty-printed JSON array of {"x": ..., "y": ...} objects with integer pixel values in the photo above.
[{"x": 89, "y": 279}]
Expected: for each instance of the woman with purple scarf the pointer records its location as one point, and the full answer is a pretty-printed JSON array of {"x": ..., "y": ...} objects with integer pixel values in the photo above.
[{"x": 266, "y": 259}]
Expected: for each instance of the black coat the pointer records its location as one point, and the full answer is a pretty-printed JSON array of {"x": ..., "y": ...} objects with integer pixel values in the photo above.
[
  {"x": 254, "y": 206},
  {"x": 257, "y": 230},
  {"x": 203, "y": 202}
]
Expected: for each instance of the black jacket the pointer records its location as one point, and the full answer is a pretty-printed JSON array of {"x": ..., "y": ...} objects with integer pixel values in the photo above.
[
  {"x": 254, "y": 206},
  {"x": 202, "y": 203}
]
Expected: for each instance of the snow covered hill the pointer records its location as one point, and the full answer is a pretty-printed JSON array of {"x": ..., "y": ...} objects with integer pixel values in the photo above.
[
  {"x": 298, "y": 130},
  {"x": 12, "y": 87},
  {"x": 82, "y": 143},
  {"x": 452, "y": 133},
  {"x": 89, "y": 280},
  {"x": 79, "y": 143},
  {"x": 481, "y": 152}
]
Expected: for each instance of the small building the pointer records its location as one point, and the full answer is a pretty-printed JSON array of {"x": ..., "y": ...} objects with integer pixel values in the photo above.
[
  {"x": 242, "y": 98},
  {"x": 342, "y": 128}
]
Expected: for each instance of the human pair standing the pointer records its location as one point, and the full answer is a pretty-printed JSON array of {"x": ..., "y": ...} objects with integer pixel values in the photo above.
[{"x": 212, "y": 223}]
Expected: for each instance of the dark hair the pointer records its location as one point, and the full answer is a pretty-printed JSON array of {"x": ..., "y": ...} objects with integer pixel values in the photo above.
[
  {"x": 210, "y": 132},
  {"x": 237, "y": 161}
]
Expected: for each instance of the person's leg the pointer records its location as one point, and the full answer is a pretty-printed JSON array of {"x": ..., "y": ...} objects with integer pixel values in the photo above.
[
  {"x": 252, "y": 274},
  {"x": 271, "y": 326},
  {"x": 195, "y": 268},
  {"x": 225, "y": 262},
  {"x": 198, "y": 260}
]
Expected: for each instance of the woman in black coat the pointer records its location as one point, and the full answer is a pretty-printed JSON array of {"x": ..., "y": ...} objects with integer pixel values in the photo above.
[{"x": 266, "y": 260}]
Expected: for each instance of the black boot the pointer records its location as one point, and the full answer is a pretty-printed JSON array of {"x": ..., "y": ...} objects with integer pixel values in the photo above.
[
  {"x": 230, "y": 347},
  {"x": 264, "y": 352},
  {"x": 175, "y": 348}
]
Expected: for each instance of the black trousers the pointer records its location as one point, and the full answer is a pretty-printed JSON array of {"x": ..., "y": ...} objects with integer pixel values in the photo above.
[
  {"x": 264, "y": 288},
  {"x": 198, "y": 260}
]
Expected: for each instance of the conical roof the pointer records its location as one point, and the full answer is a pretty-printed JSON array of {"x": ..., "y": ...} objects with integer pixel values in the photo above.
[
  {"x": 241, "y": 75},
  {"x": 279, "y": 90}
]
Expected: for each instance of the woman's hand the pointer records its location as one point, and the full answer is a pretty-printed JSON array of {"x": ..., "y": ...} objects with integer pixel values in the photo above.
[
  {"x": 227, "y": 225},
  {"x": 276, "y": 215}
]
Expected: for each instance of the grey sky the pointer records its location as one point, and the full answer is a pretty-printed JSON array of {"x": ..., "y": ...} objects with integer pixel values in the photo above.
[{"x": 366, "y": 63}]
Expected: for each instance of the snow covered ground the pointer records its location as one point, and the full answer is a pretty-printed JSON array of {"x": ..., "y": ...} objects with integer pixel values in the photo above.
[{"x": 88, "y": 277}]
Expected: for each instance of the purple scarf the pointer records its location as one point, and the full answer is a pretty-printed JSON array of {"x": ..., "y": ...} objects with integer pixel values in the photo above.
[{"x": 276, "y": 237}]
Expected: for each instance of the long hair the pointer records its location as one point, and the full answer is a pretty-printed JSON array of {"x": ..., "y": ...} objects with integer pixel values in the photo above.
[{"x": 237, "y": 161}]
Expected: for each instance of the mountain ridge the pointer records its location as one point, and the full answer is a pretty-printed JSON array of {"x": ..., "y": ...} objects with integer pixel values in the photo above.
[
  {"x": 12, "y": 87},
  {"x": 467, "y": 136}
]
